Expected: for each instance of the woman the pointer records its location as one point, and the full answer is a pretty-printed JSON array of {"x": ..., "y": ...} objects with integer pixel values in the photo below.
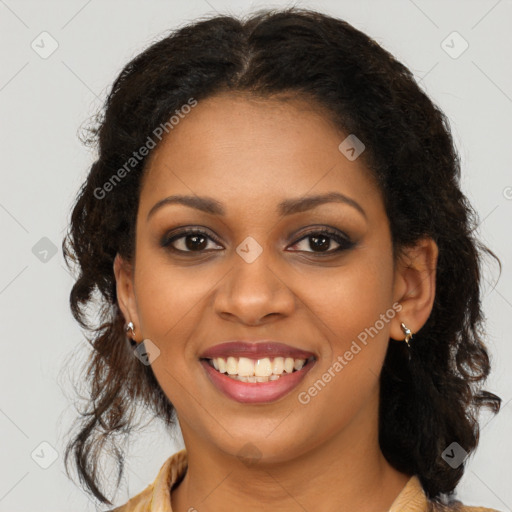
[{"x": 287, "y": 268}]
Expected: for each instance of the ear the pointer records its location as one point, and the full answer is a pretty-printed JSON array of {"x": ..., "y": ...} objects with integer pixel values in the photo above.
[
  {"x": 414, "y": 286},
  {"x": 123, "y": 272}
]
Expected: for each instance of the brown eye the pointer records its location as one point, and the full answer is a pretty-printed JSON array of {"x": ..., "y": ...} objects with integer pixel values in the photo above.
[
  {"x": 320, "y": 241},
  {"x": 191, "y": 240},
  {"x": 196, "y": 241}
]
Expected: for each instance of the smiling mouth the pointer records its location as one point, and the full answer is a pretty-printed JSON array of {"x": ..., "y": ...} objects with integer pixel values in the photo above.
[{"x": 266, "y": 369}]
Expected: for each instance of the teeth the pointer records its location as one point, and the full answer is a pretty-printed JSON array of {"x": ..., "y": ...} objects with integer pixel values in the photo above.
[
  {"x": 231, "y": 366},
  {"x": 246, "y": 367},
  {"x": 254, "y": 378},
  {"x": 298, "y": 364},
  {"x": 278, "y": 365},
  {"x": 288, "y": 365},
  {"x": 261, "y": 370}
]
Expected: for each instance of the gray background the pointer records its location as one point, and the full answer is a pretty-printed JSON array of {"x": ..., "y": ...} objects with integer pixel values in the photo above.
[{"x": 43, "y": 103}]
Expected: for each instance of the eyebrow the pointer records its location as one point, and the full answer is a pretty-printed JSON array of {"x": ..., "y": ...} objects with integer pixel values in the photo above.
[{"x": 286, "y": 207}]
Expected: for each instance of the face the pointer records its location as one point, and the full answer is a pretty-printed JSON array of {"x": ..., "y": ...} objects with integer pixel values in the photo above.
[{"x": 291, "y": 283}]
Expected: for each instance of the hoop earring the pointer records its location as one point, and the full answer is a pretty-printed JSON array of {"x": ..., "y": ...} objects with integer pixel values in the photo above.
[
  {"x": 408, "y": 334},
  {"x": 130, "y": 327}
]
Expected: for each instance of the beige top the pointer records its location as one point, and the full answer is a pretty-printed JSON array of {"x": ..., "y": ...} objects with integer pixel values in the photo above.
[{"x": 157, "y": 496}]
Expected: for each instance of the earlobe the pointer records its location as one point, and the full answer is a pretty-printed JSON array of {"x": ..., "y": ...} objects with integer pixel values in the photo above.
[
  {"x": 415, "y": 286},
  {"x": 123, "y": 272}
]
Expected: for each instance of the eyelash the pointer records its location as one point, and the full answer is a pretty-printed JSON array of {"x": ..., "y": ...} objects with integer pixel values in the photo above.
[{"x": 344, "y": 242}]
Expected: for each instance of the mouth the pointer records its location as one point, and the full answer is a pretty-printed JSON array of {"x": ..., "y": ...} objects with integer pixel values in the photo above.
[
  {"x": 266, "y": 369},
  {"x": 254, "y": 381}
]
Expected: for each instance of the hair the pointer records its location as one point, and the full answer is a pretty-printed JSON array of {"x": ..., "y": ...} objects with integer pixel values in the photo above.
[{"x": 427, "y": 402}]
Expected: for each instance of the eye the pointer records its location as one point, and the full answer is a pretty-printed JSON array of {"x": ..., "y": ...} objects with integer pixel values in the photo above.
[
  {"x": 196, "y": 241},
  {"x": 191, "y": 240},
  {"x": 321, "y": 240}
]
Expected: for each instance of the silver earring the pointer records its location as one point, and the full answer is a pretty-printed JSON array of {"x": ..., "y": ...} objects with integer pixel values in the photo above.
[
  {"x": 130, "y": 327},
  {"x": 408, "y": 334}
]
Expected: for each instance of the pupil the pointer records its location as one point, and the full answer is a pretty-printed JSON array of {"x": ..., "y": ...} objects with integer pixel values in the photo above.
[
  {"x": 322, "y": 245},
  {"x": 194, "y": 244}
]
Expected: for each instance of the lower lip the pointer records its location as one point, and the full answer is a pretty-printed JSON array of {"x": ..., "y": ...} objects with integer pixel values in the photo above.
[{"x": 256, "y": 392}]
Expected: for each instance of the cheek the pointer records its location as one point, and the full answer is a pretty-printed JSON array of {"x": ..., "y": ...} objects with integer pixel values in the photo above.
[
  {"x": 169, "y": 300},
  {"x": 350, "y": 309},
  {"x": 352, "y": 301}
]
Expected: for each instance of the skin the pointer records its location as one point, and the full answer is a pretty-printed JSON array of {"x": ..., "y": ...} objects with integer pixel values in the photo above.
[{"x": 250, "y": 154}]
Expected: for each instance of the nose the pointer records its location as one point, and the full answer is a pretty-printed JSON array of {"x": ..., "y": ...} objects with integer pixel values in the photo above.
[{"x": 254, "y": 291}]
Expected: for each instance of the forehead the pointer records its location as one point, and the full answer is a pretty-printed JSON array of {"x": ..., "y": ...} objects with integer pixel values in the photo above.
[{"x": 241, "y": 149}]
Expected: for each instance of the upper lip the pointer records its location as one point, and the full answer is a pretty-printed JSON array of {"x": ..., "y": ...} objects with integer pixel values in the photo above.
[{"x": 255, "y": 350}]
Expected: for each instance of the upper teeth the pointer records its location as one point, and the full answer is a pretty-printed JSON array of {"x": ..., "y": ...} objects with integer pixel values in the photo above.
[{"x": 245, "y": 367}]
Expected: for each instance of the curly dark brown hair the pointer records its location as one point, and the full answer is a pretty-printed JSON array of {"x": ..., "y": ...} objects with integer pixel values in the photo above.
[{"x": 426, "y": 403}]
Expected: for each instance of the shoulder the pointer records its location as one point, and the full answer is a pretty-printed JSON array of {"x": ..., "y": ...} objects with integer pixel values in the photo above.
[
  {"x": 157, "y": 495},
  {"x": 414, "y": 499},
  {"x": 479, "y": 509},
  {"x": 460, "y": 507},
  {"x": 139, "y": 503},
  {"x": 457, "y": 506}
]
